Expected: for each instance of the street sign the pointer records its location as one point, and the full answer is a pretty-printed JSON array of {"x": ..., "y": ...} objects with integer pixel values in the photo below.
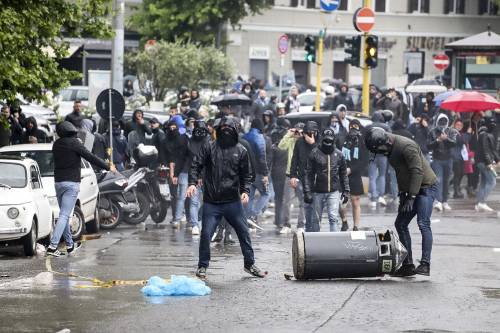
[
  {"x": 441, "y": 61},
  {"x": 329, "y": 5},
  {"x": 117, "y": 104},
  {"x": 283, "y": 44},
  {"x": 364, "y": 19}
]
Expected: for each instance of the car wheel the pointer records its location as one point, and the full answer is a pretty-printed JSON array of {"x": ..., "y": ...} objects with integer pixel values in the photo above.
[
  {"x": 77, "y": 223},
  {"x": 93, "y": 226},
  {"x": 29, "y": 241}
]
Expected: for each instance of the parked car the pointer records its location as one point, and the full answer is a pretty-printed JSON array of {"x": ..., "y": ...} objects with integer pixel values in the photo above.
[
  {"x": 85, "y": 215},
  {"x": 308, "y": 101},
  {"x": 68, "y": 96},
  {"x": 25, "y": 212}
]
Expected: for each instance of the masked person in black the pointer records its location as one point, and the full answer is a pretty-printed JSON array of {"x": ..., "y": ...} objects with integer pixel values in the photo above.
[
  {"x": 224, "y": 167},
  {"x": 343, "y": 98},
  {"x": 33, "y": 134},
  {"x": 158, "y": 141},
  {"x": 417, "y": 188},
  {"x": 326, "y": 182}
]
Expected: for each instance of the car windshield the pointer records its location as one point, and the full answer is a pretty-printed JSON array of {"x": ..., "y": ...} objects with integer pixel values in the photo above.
[
  {"x": 13, "y": 175},
  {"x": 309, "y": 99},
  {"x": 44, "y": 159}
]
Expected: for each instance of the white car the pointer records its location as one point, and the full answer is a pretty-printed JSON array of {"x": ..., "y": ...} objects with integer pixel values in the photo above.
[
  {"x": 68, "y": 96},
  {"x": 25, "y": 212},
  {"x": 308, "y": 101},
  {"x": 85, "y": 215}
]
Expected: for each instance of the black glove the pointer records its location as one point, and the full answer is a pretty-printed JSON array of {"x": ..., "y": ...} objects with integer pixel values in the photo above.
[
  {"x": 406, "y": 205},
  {"x": 344, "y": 197},
  {"x": 308, "y": 198}
]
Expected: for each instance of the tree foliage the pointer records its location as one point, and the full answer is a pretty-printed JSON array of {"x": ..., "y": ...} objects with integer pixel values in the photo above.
[
  {"x": 191, "y": 20},
  {"x": 31, "y": 41},
  {"x": 172, "y": 65}
]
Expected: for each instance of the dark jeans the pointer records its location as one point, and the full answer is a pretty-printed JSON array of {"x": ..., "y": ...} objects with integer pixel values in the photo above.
[
  {"x": 458, "y": 174},
  {"x": 423, "y": 209},
  {"x": 279, "y": 183},
  {"x": 442, "y": 169},
  {"x": 235, "y": 216}
]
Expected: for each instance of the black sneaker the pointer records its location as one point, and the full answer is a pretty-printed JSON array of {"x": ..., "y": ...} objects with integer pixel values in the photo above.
[
  {"x": 345, "y": 226},
  {"x": 53, "y": 252},
  {"x": 255, "y": 271},
  {"x": 405, "y": 270},
  {"x": 423, "y": 269},
  {"x": 74, "y": 248},
  {"x": 355, "y": 228},
  {"x": 201, "y": 273}
]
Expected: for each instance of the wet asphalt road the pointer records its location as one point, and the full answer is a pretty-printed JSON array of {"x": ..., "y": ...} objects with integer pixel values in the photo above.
[{"x": 462, "y": 294}]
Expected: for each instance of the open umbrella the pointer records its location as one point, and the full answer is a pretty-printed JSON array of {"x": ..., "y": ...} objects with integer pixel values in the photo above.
[
  {"x": 231, "y": 99},
  {"x": 470, "y": 101},
  {"x": 441, "y": 97},
  {"x": 424, "y": 86}
]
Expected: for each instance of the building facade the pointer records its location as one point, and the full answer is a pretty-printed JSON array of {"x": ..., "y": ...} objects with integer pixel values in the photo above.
[{"x": 410, "y": 33}]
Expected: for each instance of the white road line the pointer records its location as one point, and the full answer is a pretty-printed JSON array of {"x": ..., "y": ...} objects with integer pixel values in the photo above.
[{"x": 496, "y": 249}]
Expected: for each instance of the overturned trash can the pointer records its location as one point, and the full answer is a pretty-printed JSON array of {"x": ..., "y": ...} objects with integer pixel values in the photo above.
[{"x": 326, "y": 255}]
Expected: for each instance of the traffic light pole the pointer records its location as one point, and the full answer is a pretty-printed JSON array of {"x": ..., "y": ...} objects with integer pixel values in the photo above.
[
  {"x": 365, "y": 100},
  {"x": 319, "y": 62}
]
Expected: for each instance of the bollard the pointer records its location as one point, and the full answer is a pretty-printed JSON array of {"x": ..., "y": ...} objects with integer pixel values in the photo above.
[{"x": 325, "y": 255}]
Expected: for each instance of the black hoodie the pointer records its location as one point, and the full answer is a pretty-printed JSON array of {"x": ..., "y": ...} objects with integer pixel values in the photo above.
[{"x": 40, "y": 135}]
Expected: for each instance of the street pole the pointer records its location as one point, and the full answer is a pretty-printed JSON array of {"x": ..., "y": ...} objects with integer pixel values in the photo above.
[
  {"x": 282, "y": 63},
  {"x": 118, "y": 45},
  {"x": 319, "y": 62},
  {"x": 365, "y": 100}
]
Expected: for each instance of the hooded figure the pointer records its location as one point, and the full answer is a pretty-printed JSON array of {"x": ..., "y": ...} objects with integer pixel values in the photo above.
[
  {"x": 343, "y": 98},
  {"x": 32, "y": 133},
  {"x": 339, "y": 130},
  {"x": 269, "y": 121}
]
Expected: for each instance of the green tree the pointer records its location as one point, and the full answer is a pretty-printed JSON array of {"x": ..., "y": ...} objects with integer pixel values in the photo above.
[
  {"x": 192, "y": 20},
  {"x": 172, "y": 65},
  {"x": 31, "y": 41}
]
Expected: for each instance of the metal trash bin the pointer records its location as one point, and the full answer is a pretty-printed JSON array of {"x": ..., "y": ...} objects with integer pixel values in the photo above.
[{"x": 325, "y": 255}]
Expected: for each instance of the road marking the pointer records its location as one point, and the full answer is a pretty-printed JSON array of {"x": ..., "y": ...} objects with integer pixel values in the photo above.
[
  {"x": 435, "y": 221},
  {"x": 496, "y": 249}
]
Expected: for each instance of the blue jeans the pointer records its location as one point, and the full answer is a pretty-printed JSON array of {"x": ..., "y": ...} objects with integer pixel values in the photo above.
[
  {"x": 487, "y": 184},
  {"x": 332, "y": 201},
  {"x": 194, "y": 207},
  {"x": 442, "y": 169},
  {"x": 67, "y": 194},
  {"x": 235, "y": 216},
  {"x": 254, "y": 209},
  {"x": 182, "y": 185},
  {"x": 376, "y": 173},
  {"x": 422, "y": 207}
]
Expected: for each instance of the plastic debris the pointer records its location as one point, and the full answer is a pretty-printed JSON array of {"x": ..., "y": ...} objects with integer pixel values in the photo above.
[{"x": 177, "y": 286}]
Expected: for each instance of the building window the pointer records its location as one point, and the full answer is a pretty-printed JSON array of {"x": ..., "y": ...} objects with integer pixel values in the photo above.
[
  {"x": 311, "y": 3},
  {"x": 418, "y": 6},
  {"x": 488, "y": 7},
  {"x": 454, "y": 6},
  {"x": 343, "y": 5},
  {"x": 294, "y": 3},
  {"x": 380, "y": 6}
]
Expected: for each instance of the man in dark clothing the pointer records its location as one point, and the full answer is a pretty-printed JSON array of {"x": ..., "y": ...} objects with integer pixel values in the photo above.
[
  {"x": 76, "y": 116},
  {"x": 16, "y": 121},
  {"x": 442, "y": 140},
  {"x": 5, "y": 128},
  {"x": 158, "y": 141},
  {"x": 399, "y": 128},
  {"x": 176, "y": 145},
  {"x": 137, "y": 131},
  {"x": 269, "y": 123},
  {"x": 68, "y": 152},
  {"x": 224, "y": 167},
  {"x": 417, "y": 186},
  {"x": 458, "y": 158},
  {"x": 424, "y": 105},
  {"x": 32, "y": 133},
  {"x": 420, "y": 131},
  {"x": 339, "y": 130},
  {"x": 343, "y": 98},
  {"x": 391, "y": 102},
  {"x": 120, "y": 146},
  {"x": 486, "y": 158}
]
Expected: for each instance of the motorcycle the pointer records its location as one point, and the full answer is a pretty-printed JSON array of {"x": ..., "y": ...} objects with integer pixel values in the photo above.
[{"x": 155, "y": 187}]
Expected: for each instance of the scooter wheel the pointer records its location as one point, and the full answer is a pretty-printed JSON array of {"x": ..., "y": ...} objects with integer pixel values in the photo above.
[
  {"x": 159, "y": 214},
  {"x": 142, "y": 215}
]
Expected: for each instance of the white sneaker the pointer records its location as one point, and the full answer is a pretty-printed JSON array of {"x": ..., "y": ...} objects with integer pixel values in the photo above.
[
  {"x": 446, "y": 206},
  {"x": 382, "y": 201},
  {"x": 372, "y": 204},
  {"x": 268, "y": 213},
  {"x": 195, "y": 231},
  {"x": 285, "y": 230},
  {"x": 438, "y": 206},
  {"x": 300, "y": 230},
  {"x": 483, "y": 207}
]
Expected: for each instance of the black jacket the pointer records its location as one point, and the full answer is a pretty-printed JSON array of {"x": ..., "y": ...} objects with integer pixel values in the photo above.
[
  {"x": 177, "y": 152},
  {"x": 68, "y": 154},
  {"x": 194, "y": 148},
  {"x": 226, "y": 172},
  {"x": 355, "y": 153},
  {"x": 420, "y": 135},
  {"x": 17, "y": 130},
  {"x": 486, "y": 152},
  {"x": 301, "y": 152},
  {"x": 343, "y": 99},
  {"x": 40, "y": 135},
  {"x": 442, "y": 150},
  {"x": 75, "y": 118},
  {"x": 326, "y": 173}
]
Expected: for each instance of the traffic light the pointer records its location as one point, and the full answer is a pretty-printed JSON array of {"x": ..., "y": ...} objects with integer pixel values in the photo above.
[
  {"x": 371, "y": 51},
  {"x": 353, "y": 48},
  {"x": 310, "y": 47}
]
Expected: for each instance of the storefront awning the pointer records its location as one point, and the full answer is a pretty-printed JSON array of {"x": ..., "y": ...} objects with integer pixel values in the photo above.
[{"x": 487, "y": 40}]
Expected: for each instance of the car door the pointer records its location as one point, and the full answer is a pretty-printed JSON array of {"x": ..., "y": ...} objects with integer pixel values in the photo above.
[
  {"x": 88, "y": 191},
  {"x": 44, "y": 212}
]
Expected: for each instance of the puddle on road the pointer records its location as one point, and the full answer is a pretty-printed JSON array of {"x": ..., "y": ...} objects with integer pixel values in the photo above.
[{"x": 493, "y": 293}]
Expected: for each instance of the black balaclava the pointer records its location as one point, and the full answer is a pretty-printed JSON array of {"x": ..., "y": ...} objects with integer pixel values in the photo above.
[
  {"x": 327, "y": 145},
  {"x": 200, "y": 130},
  {"x": 490, "y": 124},
  {"x": 227, "y": 133},
  {"x": 172, "y": 134},
  {"x": 354, "y": 131}
]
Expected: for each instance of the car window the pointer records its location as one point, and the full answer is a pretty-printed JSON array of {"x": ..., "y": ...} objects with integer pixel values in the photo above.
[
  {"x": 66, "y": 95},
  {"x": 13, "y": 175},
  {"x": 82, "y": 95},
  {"x": 34, "y": 179},
  {"x": 44, "y": 159},
  {"x": 309, "y": 99}
]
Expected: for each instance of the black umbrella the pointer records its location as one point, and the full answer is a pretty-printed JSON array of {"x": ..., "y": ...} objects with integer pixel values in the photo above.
[{"x": 231, "y": 99}]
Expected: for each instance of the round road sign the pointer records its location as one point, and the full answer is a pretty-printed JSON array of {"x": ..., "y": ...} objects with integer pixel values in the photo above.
[
  {"x": 329, "y": 5},
  {"x": 441, "y": 61},
  {"x": 283, "y": 44},
  {"x": 117, "y": 104},
  {"x": 364, "y": 19}
]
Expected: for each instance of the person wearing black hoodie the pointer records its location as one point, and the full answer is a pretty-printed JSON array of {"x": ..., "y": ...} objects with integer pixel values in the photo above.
[
  {"x": 32, "y": 133},
  {"x": 137, "y": 131},
  {"x": 420, "y": 131},
  {"x": 343, "y": 98},
  {"x": 68, "y": 152}
]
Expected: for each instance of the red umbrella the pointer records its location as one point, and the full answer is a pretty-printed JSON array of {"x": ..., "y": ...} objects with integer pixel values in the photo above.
[{"x": 470, "y": 101}]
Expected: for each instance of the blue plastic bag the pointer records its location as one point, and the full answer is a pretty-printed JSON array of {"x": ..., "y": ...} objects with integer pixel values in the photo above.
[{"x": 178, "y": 286}]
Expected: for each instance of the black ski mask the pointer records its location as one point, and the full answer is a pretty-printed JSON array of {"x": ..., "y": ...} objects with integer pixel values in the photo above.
[
  {"x": 199, "y": 133},
  {"x": 327, "y": 145},
  {"x": 227, "y": 133},
  {"x": 171, "y": 132}
]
